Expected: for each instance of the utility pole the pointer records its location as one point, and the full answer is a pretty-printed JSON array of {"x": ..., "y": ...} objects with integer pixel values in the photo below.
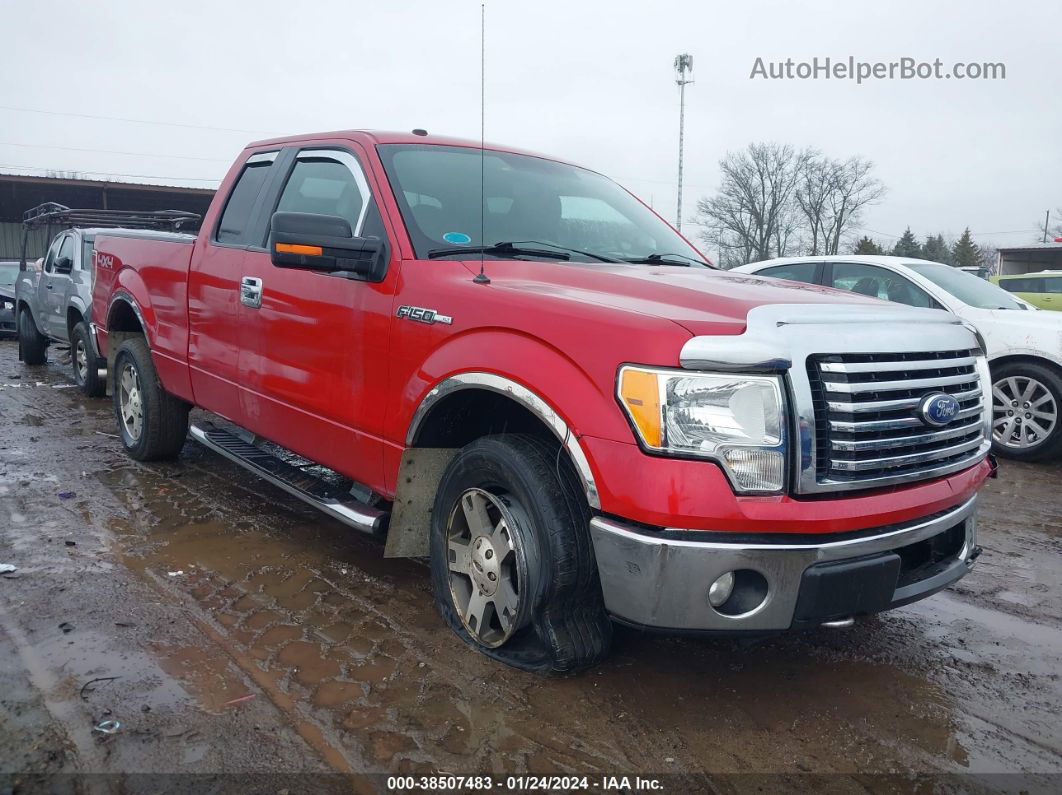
[
  {"x": 683, "y": 64},
  {"x": 1047, "y": 222}
]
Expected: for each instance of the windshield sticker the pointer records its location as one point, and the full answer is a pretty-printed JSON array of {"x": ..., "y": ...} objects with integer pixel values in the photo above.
[{"x": 457, "y": 238}]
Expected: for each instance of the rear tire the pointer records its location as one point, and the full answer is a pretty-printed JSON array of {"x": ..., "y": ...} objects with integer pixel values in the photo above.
[
  {"x": 543, "y": 610},
  {"x": 152, "y": 423},
  {"x": 1026, "y": 412},
  {"x": 32, "y": 345},
  {"x": 85, "y": 364}
]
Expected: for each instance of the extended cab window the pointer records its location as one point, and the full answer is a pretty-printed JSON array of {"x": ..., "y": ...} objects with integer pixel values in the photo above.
[
  {"x": 329, "y": 183},
  {"x": 796, "y": 271},
  {"x": 236, "y": 217},
  {"x": 1053, "y": 285}
]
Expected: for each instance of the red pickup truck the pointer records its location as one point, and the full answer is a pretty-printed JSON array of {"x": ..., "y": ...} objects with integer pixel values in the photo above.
[{"x": 510, "y": 365}]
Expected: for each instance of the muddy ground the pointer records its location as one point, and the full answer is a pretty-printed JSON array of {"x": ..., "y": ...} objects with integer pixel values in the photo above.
[{"x": 231, "y": 629}]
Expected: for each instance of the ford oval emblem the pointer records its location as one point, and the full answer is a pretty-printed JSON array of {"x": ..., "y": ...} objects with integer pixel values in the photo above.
[{"x": 938, "y": 408}]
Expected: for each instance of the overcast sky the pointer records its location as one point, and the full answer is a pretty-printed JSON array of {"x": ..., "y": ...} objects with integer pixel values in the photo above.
[{"x": 589, "y": 82}]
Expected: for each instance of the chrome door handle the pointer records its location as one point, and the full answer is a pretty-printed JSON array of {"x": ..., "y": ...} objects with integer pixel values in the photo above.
[{"x": 251, "y": 292}]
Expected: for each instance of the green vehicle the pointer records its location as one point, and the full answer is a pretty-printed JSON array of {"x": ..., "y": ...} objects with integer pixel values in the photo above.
[{"x": 1043, "y": 289}]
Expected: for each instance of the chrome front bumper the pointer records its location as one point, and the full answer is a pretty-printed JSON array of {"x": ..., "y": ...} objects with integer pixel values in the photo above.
[{"x": 656, "y": 581}]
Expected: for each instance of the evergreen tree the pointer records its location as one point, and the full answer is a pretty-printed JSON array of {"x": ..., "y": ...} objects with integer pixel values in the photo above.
[
  {"x": 868, "y": 246},
  {"x": 907, "y": 246},
  {"x": 965, "y": 251},
  {"x": 936, "y": 250}
]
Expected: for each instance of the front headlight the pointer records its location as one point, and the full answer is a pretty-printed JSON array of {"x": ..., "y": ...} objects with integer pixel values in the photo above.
[{"x": 735, "y": 419}]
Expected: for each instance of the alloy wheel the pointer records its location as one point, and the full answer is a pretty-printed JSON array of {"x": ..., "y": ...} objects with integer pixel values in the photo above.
[
  {"x": 131, "y": 402},
  {"x": 490, "y": 568},
  {"x": 80, "y": 361},
  {"x": 1024, "y": 412}
]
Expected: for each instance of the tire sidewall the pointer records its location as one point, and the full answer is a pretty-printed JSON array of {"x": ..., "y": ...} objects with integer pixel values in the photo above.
[
  {"x": 1052, "y": 446},
  {"x": 126, "y": 356},
  {"x": 91, "y": 385},
  {"x": 526, "y": 472},
  {"x": 30, "y": 340}
]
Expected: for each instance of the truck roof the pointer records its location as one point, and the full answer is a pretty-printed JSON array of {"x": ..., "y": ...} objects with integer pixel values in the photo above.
[{"x": 373, "y": 137}]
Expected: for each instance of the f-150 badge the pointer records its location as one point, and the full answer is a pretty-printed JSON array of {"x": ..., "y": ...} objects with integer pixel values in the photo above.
[{"x": 422, "y": 315}]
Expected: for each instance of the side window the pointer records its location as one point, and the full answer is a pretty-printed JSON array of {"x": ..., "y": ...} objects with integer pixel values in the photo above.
[
  {"x": 1022, "y": 285},
  {"x": 879, "y": 283},
  {"x": 66, "y": 250},
  {"x": 797, "y": 272},
  {"x": 328, "y": 183},
  {"x": 236, "y": 216},
  {"x": 53, "y": 253},
  {"x": 1053, "y": 285}
]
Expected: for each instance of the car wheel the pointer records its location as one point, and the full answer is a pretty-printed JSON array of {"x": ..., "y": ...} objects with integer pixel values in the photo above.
[
  {"x": 513, "y": 570},
  {"x": 32, "y": 345},
  {"x": 152, "y": 423},
  {"x": 85, "y": 364},
  {"x": 1026, "y": 412}
]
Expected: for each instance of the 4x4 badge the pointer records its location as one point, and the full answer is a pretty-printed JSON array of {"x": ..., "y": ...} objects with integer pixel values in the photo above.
[{"x": 422, "y": 315}]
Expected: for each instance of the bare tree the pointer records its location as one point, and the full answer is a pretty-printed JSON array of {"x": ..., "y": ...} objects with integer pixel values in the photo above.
[
  {"x": 775, "y": 200},
  {"x": 831, "y": 194},
  {"x": 854, "y": 187},
  {"x": 751, "y": 218}
]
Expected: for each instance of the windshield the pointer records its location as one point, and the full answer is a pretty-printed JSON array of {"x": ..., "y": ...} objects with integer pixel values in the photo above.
[
  {"x": 966, "y": 287},
  {"x": 8, "y": 273},
  {"x": 528, "y": 200}
]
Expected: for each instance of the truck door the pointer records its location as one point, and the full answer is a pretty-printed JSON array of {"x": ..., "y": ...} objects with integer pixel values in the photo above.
[
  {"x": 214, "y": 336},
  {"x": 55, "y": 285},
  {"x": 313, "y": 356}
]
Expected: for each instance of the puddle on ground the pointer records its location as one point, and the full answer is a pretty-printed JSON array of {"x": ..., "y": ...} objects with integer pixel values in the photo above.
[{"x": 353, "y": 640}]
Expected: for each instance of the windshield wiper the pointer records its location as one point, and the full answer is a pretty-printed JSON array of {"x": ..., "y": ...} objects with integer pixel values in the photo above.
[
  {"x": 522, "y": 248},
  {"x": 661, "y": 259},
  {"x": 498, "y": 249},
  {"x": 580, "y": 252}
]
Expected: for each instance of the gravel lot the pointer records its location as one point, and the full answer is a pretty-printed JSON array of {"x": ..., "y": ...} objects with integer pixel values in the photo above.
[{"x": 241, "y": 632}]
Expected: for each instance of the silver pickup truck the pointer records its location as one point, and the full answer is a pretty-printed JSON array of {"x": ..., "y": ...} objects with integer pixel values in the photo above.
[{"x": 53, "y": 296}]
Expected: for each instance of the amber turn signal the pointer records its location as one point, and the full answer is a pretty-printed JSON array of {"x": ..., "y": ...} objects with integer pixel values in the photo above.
[{"x": 294, "y": 248}]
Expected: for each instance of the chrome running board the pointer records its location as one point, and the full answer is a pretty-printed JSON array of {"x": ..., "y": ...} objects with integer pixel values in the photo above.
[{"x": 308, "y": 488}]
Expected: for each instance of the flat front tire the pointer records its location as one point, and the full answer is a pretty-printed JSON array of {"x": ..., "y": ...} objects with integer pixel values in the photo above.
[
  {"x": 513, "y": 570},
  {"x": 32, "y": 345},
  {"x": 152, "y": 423}
]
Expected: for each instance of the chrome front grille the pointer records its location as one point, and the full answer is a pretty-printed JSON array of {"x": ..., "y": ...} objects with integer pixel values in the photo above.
[{"x": 867, "y": 422}]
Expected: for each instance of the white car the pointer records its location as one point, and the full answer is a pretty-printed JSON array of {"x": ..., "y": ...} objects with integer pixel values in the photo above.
[{"x": 1024, "y": 345}]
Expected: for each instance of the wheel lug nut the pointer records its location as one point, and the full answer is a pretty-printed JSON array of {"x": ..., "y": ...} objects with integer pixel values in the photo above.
[
  {"x": 1010, "y": 413},
  {"x": 491, "y": 576},
  {"x": 1028, "y": 416},
  {"x": 1014, "y": 403},
  {"x": 488, "y": 554}
]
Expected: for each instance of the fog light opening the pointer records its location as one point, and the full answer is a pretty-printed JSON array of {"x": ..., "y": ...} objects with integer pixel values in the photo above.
[{"x": 738, "y": 593}]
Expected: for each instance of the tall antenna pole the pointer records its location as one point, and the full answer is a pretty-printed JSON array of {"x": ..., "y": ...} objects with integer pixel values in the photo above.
[
  {"x": 1047, "y": 223},
  {"x": 481, "y": 277},
  {"x": 683, "y": 64}
]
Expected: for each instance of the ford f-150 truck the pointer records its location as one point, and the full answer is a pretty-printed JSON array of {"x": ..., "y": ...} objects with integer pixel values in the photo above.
[{"x": 513, "y": 367}]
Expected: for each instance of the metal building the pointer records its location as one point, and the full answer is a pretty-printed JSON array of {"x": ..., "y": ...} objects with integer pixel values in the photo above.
[{"x": 19, "y": 193}]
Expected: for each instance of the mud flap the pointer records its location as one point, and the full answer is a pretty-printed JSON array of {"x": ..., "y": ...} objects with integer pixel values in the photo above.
[{"x": 418, "y": 481}]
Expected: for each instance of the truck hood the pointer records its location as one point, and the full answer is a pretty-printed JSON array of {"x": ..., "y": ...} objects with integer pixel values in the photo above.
[{"x": 700, "y": 300}]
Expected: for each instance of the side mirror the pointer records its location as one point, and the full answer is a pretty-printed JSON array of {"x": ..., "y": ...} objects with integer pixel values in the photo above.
[
  {"x": 324, "y": 243},
  {"x": 64, "y": 265}
]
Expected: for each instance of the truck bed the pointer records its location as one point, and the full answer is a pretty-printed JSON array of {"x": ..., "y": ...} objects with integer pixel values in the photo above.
[{"x": 162, "y": 260}]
